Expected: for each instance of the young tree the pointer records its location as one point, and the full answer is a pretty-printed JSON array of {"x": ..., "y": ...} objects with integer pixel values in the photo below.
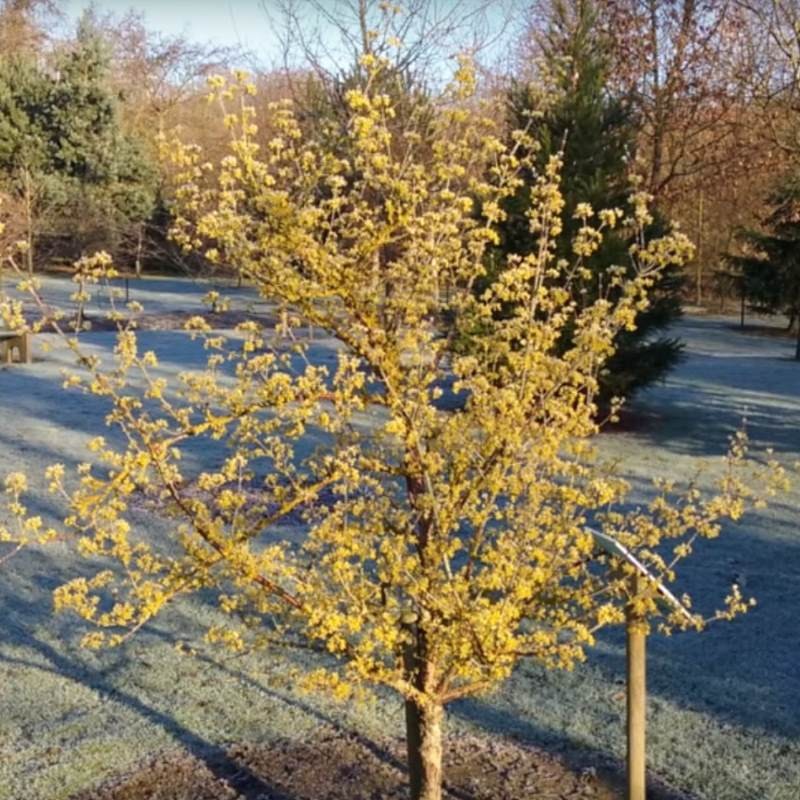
[
  {"x": 595, "y": 131},
  {"x": 770, "y": 264},
  {"x": 111, "y": 180},
  {"x": 441, "y": 545}
]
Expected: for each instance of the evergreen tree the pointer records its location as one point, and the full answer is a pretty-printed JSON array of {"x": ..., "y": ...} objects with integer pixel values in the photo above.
[
  {"x": 770, "y": 266},
  {"x": 25, "y": 146},
  {"x": 594, "y": 131},
  {"x": 112, "y": 182},
  {"x": 63, "y": 153}
]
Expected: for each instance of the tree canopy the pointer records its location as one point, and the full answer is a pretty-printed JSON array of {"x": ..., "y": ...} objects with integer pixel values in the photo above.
[{"x": 443, "y": 542}]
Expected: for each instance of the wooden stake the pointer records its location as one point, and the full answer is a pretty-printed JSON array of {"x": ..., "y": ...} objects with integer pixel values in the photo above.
[{"x": 637, "y": 701}]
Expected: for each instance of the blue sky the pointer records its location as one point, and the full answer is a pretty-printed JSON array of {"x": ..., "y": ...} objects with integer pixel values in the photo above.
[
  {"x": 229, "y": 22},
  {"x": 243, "y": 23}
]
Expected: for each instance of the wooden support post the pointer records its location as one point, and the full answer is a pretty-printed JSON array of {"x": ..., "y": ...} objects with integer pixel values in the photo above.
[
  {"x": 637, "y": 702},
  {"x": 25, "y": 348},
  {"x": 21, "y": 342},
  {"x": 641, "y": 581}
]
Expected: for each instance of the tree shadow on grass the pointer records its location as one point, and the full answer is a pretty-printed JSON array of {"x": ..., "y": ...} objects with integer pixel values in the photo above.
[
  {"x": 27, "y": 610},
  {"x": 578, "y": 757},
  {"x": 33, "y": 638},
  {"x": 229, "y": 765},
  {"x": 741, "y": 672},
  {"x": 724, "y": 378},
  {"x": 380, "y": 752},
  {"x": 214, "y": 757}
]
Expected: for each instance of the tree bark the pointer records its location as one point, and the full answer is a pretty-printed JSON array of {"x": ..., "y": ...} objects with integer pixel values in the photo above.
[
  {"x": 424, "y": 742},
  {"x": 424, "y": 712},
  {"x": 139, "y": 247},
  {"x": 699, "y": 252},
  {"x": 741, "y": 310},
  {"x": 29, "y": 221},
  {"x": 797, "y": 346}
]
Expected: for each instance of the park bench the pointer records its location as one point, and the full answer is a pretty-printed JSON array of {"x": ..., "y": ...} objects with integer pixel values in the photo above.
[{"x": 19, "y": 341}]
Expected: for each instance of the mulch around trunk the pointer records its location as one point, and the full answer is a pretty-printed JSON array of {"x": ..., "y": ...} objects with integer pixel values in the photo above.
[{"x": 338, "y": 765}]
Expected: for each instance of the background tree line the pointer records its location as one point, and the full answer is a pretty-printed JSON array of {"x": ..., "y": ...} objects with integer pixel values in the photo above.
[{"x": 699, "y": 98}]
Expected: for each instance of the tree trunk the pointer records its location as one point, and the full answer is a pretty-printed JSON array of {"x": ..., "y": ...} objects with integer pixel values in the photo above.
[
  {"x": 424, "y": 742},
  {"x": 797, "y": 346},
  {"x": 699, "y": 253},
  {"x": 657, "y": 143},
  {"x": 29, "y": 221},
  {"x": 139, "y": 247},
  {"x": 424, "y": 712},
  {"x": 741, "y": 311}
]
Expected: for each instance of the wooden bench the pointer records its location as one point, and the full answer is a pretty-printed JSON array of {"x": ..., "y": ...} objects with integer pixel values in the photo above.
[{"x": 11, "y": 341}]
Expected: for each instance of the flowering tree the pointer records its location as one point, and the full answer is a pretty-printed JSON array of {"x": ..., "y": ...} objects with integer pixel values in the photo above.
[
  {"x": 18, "y": 529},
  {"x": 443, "y": 541}
]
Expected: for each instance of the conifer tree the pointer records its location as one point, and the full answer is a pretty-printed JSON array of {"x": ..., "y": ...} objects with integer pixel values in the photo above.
[
  {"x": 63, "y": 154},
  {"x": 25, "y": 157},
  {"x": 594, "y": 130},
  {"x": 770, "y": 266}
]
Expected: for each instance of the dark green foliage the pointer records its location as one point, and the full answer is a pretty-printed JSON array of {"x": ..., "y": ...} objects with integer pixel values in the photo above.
[
  {"x": 595, "y": 132},
  {"x": 324, "y": 112},
  {"x": 24, "y": 103},
  {"x": 770, "y": 264},
  {"x": 63, "y": 151}
]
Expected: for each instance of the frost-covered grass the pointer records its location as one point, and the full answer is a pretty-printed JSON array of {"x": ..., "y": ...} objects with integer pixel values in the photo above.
[
  {"x": 724, "y": 706},
  {"x": 156, "y": 294}
]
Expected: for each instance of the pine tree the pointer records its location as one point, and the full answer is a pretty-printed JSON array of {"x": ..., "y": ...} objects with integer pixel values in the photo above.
[
  {"x": 594, "y": 131},
  {"x": 63, "y": 153},
  {"x": 25, "y": 152},
  {"x": 770, "y": 266},
  {"x": 112, "y": 182}
]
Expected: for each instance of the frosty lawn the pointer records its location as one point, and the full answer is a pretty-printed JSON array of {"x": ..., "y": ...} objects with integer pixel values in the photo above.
[{"x": 723, "y": 707}]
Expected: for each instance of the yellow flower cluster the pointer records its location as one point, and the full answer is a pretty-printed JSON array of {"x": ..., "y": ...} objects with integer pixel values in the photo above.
[{"x": 442, "y": 529}]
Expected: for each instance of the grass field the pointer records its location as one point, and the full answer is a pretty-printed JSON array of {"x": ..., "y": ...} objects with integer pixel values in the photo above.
[{"x": 724, "y": 706}]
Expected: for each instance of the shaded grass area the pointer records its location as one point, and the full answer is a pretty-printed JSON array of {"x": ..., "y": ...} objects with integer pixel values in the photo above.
[{"x": 724, "y": 720}]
